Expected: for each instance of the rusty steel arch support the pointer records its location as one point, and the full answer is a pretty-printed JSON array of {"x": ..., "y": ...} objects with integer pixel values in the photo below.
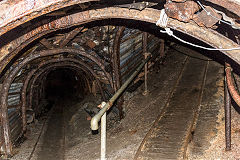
[
  {"x": 23, "y": 98},
  {"x": 116, "y": 67},
  {"x": 150, "y": 15},
  {"x": 230, "y": 83},
  {"x": 116, "y": 58},
  {"x": 15, "y": 14},
  {"x": 230, "y": 93},
  {"x": 49, "y": 53}
]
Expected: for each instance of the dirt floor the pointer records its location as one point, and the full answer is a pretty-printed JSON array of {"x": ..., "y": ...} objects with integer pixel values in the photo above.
[{"x": 182, "y": 117}]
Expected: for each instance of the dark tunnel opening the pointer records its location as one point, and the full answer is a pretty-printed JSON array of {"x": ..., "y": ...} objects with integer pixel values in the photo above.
[{"x": 64, "y": 84}]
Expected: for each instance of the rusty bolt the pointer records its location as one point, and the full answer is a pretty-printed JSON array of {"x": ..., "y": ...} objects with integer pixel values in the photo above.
[{"x": 91, "y": 44}]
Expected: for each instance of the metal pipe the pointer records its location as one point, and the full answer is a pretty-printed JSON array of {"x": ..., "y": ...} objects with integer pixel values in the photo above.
[
  {"x": 103, "y": 133},
  {"x": 97, "y": 117},
  {"x": 227, "y": 107},
  {"x": 234, "y": 94},
  {"x": 145, "y": 43},
  {"x": 116, "y": 66},
  {"x": 161, "y": 49}
]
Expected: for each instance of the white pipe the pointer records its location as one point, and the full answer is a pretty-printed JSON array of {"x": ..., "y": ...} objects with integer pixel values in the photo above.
[{"x": 103, "y": 133}]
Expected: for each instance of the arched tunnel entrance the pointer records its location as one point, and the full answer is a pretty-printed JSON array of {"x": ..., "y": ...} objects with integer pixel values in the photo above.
[{"x": 58, "y": 65}]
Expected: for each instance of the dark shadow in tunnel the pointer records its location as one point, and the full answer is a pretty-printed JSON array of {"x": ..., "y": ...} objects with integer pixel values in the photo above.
[{"x": 63, "y": 84}]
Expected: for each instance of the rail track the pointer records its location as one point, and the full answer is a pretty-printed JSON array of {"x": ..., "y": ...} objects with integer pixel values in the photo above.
[{"x": 181, "y": 125}]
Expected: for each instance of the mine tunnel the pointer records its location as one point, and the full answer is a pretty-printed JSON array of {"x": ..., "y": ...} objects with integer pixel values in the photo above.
[
  {"x": 119, "y": 79},
  {"x": 64, "y": 83}
]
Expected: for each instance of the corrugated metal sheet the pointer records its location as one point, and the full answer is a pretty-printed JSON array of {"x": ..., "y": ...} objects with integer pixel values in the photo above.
[
  {"x": 13, "y": 99},
  {"x": 15, "y": 87},
  {"x": 131, "y": 53},
  {"x": 15, "y": 123},
  {"x": 14, "y": 96},
  {"x": 14, "y": 115}
]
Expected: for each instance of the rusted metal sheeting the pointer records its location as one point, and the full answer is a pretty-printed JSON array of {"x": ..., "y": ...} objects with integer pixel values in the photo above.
[{"x": 203, "y": 19}]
